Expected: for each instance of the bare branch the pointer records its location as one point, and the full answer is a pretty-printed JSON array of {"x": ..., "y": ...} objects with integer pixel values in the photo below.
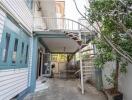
[
  {"x": 118, "y": 50},
  {"x": 129, "y": 8}
]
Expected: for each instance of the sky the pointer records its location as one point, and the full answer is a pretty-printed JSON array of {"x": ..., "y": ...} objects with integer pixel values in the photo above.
[{"x": 70, "y": 9}]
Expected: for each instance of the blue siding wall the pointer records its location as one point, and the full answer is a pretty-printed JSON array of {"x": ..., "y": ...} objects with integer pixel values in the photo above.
[
  {"x": 20, "y": 56},
  {"x": 14, "y": 77}
]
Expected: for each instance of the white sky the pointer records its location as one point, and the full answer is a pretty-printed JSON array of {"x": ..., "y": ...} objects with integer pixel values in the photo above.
[{"x": 70, "y": 9}]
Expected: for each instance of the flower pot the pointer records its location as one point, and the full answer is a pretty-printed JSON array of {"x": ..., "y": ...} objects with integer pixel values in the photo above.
[
  {"x": 115, "y": 96},
  {"x": 118, "y": 97}
]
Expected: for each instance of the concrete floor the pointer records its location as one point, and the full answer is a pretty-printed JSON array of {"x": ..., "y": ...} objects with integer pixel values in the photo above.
[{"x": 66, "y": 90}]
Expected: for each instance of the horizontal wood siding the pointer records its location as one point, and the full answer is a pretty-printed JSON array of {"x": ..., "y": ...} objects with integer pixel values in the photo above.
[
  {"x": 12, "y": 81},
  {"x": 20, "y": 10},
  {"x": 2, "y": 20}
]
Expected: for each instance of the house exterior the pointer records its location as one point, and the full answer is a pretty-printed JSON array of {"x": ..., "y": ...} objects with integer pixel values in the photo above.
[
  {"x": 17, "y": 19},
  {"x": 25, "y": 40},
  {"x": 15, "y": 37},
  {"x": 31, "y": 30}
]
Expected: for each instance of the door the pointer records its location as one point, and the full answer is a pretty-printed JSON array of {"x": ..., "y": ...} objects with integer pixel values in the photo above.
[
  {"x": 39, "y": 63},
  {"x": 46, "y": 69}
]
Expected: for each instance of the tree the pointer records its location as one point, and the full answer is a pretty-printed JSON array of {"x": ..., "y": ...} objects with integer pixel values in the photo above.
[{"x": 113, "y": 19}]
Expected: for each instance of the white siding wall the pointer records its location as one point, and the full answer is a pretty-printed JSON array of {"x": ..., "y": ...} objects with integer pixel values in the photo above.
[
  {"x": 2, "y": 19},
  {"x": 12, "y": 81},
  {"x": 20, "y": 10}
]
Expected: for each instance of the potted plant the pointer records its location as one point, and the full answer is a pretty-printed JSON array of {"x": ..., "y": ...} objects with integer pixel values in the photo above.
[{"x": 113, "y": 93}]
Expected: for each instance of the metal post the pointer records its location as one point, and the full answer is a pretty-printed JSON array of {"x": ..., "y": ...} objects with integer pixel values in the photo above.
[{"x": 81, "y": 69}]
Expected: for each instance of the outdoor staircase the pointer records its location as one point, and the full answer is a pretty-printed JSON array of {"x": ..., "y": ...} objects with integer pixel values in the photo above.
[
  {"x": 77, "y": 31},
  {"x": 88, "y": 70}
]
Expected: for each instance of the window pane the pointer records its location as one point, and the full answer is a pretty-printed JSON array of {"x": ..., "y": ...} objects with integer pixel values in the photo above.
[
  {"x": 26, "y": 55},
  {"x": 5, "y": 50},
  {"x": 22, "y": 49},
  {"x": 15, "y": 51}
]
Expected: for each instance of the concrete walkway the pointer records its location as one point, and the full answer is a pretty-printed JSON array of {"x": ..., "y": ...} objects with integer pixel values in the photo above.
[{"x": 66, "y": 90}]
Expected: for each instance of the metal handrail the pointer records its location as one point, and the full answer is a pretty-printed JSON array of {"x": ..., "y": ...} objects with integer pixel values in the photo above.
[{"x": 49, "y": 23}]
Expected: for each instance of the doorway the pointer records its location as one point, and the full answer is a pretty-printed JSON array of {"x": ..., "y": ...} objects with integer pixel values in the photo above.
[
  {"x": 43, "y": 64},
  {"x": 39, "y": 63},
  {"x": 46, "y": 70}
]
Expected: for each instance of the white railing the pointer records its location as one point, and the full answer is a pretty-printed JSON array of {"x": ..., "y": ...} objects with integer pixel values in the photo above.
[{"x": 47, "y": 23}]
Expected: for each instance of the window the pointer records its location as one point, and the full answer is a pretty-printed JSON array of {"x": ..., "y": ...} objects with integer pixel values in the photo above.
[
  {"x": 14, "y": 47},
  {"x": 15, "y": 51},
  {"x": 26, "y": 55},
  {"x": 5, "y": 50},
  {"x": 22, "y": 50},
  {"x": 29, "y": 3}
]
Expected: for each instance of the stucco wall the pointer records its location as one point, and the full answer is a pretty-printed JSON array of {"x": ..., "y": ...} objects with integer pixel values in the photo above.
[
  {"x": 125, "y": 80},
  {"x": 107, "y": 70},
  {"x": 125, "y": 83}
]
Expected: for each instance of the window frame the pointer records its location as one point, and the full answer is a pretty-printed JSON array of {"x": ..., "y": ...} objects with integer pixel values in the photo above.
[
  {"x": 14, "y": 63},
  {"x": 22, "y": 38},
  {"x": 26, "y": 54},
  {"x": 2, "y": 46}
]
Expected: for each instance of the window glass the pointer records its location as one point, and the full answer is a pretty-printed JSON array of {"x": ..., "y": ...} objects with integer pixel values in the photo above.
[
  {"x": 15, "y": 51},
  {"x": 26, "y": 55},
  {"x": 5, "y": 50},
  {"x": 22, "y": 50}
]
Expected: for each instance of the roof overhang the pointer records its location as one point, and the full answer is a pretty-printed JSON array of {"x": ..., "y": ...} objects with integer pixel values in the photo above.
[{"x": 58, "y": 42}]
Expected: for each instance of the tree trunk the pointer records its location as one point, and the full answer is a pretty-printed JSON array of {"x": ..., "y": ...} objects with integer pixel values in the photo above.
[{"x": 116, "y": 76}]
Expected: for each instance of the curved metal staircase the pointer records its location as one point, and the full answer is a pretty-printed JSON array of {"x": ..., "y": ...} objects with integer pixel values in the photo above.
[{"x": 79, "y": 31}]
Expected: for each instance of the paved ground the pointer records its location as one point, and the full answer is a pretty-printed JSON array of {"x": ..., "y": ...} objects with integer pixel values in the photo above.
[{"x": 66, "y": 90}]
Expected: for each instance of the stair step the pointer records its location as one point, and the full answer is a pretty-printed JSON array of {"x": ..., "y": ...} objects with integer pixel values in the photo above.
[
  {"x": 87, "y": 64},
  {"x": 87, "y": 50},
  {"x": 87, "y": 70},
  {"x": 86, "y": 77},
  {"x": 87, "y": 74},
  {"x": 88, "y": 67}
]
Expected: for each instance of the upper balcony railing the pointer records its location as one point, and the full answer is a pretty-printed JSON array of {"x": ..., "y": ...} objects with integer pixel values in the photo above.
[{"x": 62, "y": 24}]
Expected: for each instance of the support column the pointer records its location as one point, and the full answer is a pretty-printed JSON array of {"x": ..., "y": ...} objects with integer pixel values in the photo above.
[
  {"x": 81, "y": 69},
  {"x": 34, "y": 63}
]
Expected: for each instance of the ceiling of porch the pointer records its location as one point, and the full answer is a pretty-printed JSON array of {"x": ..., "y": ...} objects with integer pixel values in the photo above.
[
  {"x": 61, "y": 45},
  {"x": 58, "y": 42}
]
